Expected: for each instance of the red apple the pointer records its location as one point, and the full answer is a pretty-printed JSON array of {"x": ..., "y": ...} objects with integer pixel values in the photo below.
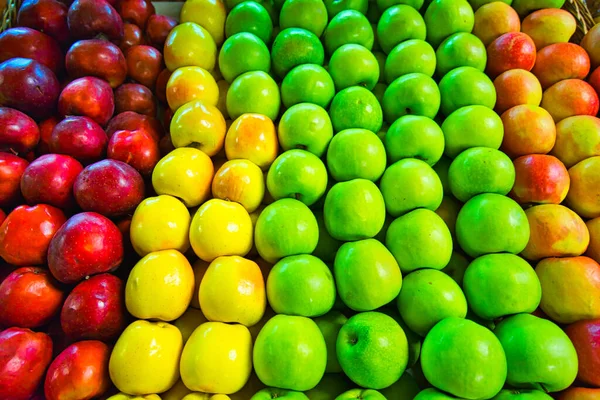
[
  {"x": 95, "y": 309},
  {"x": 594, "y": 80},
  {"x": 136, "y": 148},
  {"x": 49, "y": 179},
  {"x": 109, "y": 187},
  {"x": 29, "y": 298},
  {"x": 158, "y": 28},
  {"x": 513, "y": 50},
  {"x": 136, "y": 11},
  {"x": 585, "y": 336},
  {"x": 132, "y": 36},
  {"x": 29, "y": 87},
  {"x": 87, "y": 244},
  {"x": 540, "y": 179},
  {"x": 48, "y": 16},
  {"x": 2, "y": 216},
  {"x": 570, "y": 97},
  {"x": 135, "y": 97},
  {"x": 29, "y": 43},
  {"x": 99, "y": 58},
  {"x": 560, "y": 61},
  {"x": 166, "y": 145},
  {"x": 11, "y": 170},
  {"x": 89, "y": 18},
  {"x": 90, "y": 97},
  {"x": 18, "y": 132},
  {"x": 79, "y": 372},
  {"x": 79, "y": 137},
  {"x": 46, "y": 127},
  {"x": 160, "y": 88},
  {"x": 131, "y": 121},
  {"x": 144, "y": 63},
  {"x": 24, "y": 357}
]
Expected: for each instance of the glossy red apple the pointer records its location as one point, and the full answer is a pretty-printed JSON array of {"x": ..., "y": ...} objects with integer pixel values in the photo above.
[
  {"x": 29, "y": 298},
  {"x": 26, "y": 233},
  {"x": 158, "y": 28},
  {"x": 24, "y": 357},
  {"x": 89, "y": 18},
  {"x": 95, "y": 309},
  {"x": 11, "y": 170},
  {"x": 47, "y": 16},
  {"x": 89, "y": 97},
  {"x": 132, "y": 36},
  {"x": 135, "y": 97},
  {"x": 136, "y": 148},
  {"x": 18, "y": 132},
  {"x": 79, "y": 372},
  {"x": 136, "y": 11},
  {"x": 144, "y": 63},
  {"x": 49, "y": 179},
  {"x": 29, "y": 43},
  {"x": 79, "y": 137},
  {"x": 99, "y": 58},
  {"x": 160, "y": 88},
  {"x": 109, "y": 187},
  {"x": 131, "y": 121},
  {"x": 513, "y": 50},
  {"x": 46, "y": 127},
  {"x": 540, "y": 179},
  {"x": 87, "y": 244},
  {"x": 585, "y": 336},
  {"x": 29, "y": 87}
]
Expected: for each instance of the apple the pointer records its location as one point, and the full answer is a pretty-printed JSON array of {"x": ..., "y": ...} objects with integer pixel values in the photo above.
[
  {"x": 89, "y": 97},
  {"x": 589, "y": 43},
  {"x": 310, "y": 15},
  {"x": 413, "y": 136},
  {"x": 252, "y": 137},
  {"x": 89, "y": 18},
  {"x": 158, "y": 28},
  {"x": 446, "y": 18},
  {"x": 584, "y": 192},
  {"x": 189, "y": 44},
  {"x": 132, "y": 36},
  {"x": 465, "y": 127},
  {"x": 398, "y": 23},
  {"x": 461, "y": 49},
  {"x": 513, "y": 50},
  {"x": 366, "y": 394},
  {"x": 356, "y": 107},
  {"x": 579, "y": 393},
  {"x": 305, "y": 126},
  {"x": 28, "y": 43},
  {"x": 87, "y": 244},
  {"x": 540, "y": 179},
  {"x": 408, "y": 57},
  {"x": 24, "y": 357},
  {"x": 494, "y": 19},
  {"x": 594, "y": 79},
  {"x": 11, "y": 170},
  {"x": 276, "y": 393},
  {"x": 144, "y": 63},
  {"x": 135, "y": 97},
  {"x": 198, "y": 125},
  {"x": 466, "y": 86},
  {"x": 253, "y": 92},
  {"x": 515, "y": 87},
  {"x": 243, "y": 52},
  {"x": 549, "y": 26},
  {"x": 211, "y": 15},
  {"x": 48, "y": 16},
  {"x": 570, "y": 97},
  {"x": 308, "y": 83},
  {"x": 593, "y": 250},
  {"x": 514, "y": 394},
  {"x": 131, "y": 121},
  {"x": 414, "y": 94},
  {"x": 99, "y": 58},
  {"x": 356, "y": 153},
  {"x": 46, "y": 127},
  {"x": 585, "y": 336},
  {"x": 295, "y": 46},
  {"x": 348, "y": 27},
  {"x": 528, "y": 130},
  {"x": 136, "y": 11},
  {"x": 241, "y": 181},
  {"x": 18, "y": 132},
  {"x": 136, "y": 148},
  {"x": 79, "y": 137},
  {"x": 568, "y": 61},
  {"x": 362, "y": 67}
]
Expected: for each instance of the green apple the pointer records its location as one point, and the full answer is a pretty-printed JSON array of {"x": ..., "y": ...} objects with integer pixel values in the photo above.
[
  {"x": 441, "y": 169},
  {"x": 355, "y": 107},
  {"x": 464, "y": 359},
  {"x": 408, "y": 184},
  {"x": 301, "y": 285},
  {"x": 366, "y": 274},
  {"x": 445, "y": 17},
  {"x": 540, "y": 355},
  {"x": 268, "y": 5},
  {"x": 414, "y": 340},
  {"x": 290, "y": 353},
  {"x": 427, "y": 297},
  {"x": 334, "y": 7},
  {"x": 372, "y": 350},
  {"x": 298, "y": 174},
  {"x": 284, "y": 228},
  {"x": 330, "y": 325},
  {"x": 492, "y": 223},
  {"x": 276, "y": 393},
  {"x": 331, "y": 386},
  {"x": 353, "y": 65},
  {"x": 306, "y": 14},
  {"x": 399, "y": 23},
  {"x": 456, "y": 267},
  {"x": 415, "y": 94},
  {"x": 522, "y": 394},
  {"x": 327, "y": 246},
  {"x": 481, "y": 170},
  {"x": 243, "y": 52},
  {"x": 305, "y": 126},
  {"x": 410, "y": 56},
  {"x": 348, "y": 27},
  {"x": 466, "y": 86},
  {"x": 293, "y": 47},
  {"x": 433, "y": 394},
  {"x": 385, "y": 4},
  {"x": 404, "y": 388},
  {"x": 364, "y": 394},
  {"x": 307, "y": 83},
  {"x": 414, "y": 136},
  {"x": 252, "y": 17},
  {"x": 253, "y": 92},
  {"x": 461, "y": 49},
  {"x": 354, "y": 210},
  {"x": 356, "y": 153}
]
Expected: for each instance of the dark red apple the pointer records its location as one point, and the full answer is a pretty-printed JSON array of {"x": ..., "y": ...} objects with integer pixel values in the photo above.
[
  {"x": 28, "y": 86},
  {"x": 24, "y": 357},
  {"x": 11, "y": 170},
  {"x": 29, "y": 298},
  {"x": 135, "y": 97},
  {"x": 47, "y": 16},
  {"x": 160, "y": 88},
  {"x": 158, "y": 28},
  {"x": 79, "y": 137},
  {"x": 109, "y": 187},
  {"x": 79, "y": 372},
  {"x": 136, "y": 11},
  {"x": 131, "y": 121},
  {"x": 90, "y": 97},
  {"x": 166, "y": 145},
  {"x": 99, "y": 58},
  {"x": 144, "y": 63},
  {"x": 95, "y": 309},
  {"x": 136, "y": 148},
  {"x": 29, "y": 43},
  {"x": 89, "y": 18},
  {"x": 2, "y": 216},
  {"x": 167, "y": 117},
  {"x": 49, "y": 179},
  {"x": 46, "y": 127},
  {"x": 87, "y": 244},
  {"x": 585, "y": 336},
  {"x": 132, "y": 36},
  {"x": 18, "y": 132}
]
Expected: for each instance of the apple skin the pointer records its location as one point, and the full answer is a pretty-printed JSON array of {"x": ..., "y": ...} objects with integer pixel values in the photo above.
[
  {"x": 570, "y": 97},
  {"x": 158, "y": 28},
  {"x": 135, "y": 97},
  {"x": 585, "y": 336},
  {"x": 591, "y": 45},
  {"x": 131, "y": 121},
  {"x": 560, "y": 61},
  {"x": 18, "y": 132},
  {"x": 89, "y": 18},
  {"x": 29, "y": 87},
  {"x": 48, "y": 16},
  {"x": 540, "y": 179},
  {"x": 144, "y": 63},
  {"x": 579, "y": 393},
  {"x": 87, "y": 244},
  {"x": 46, "y": 127},
  {"x": 95, "y": 309},
  {"x": 32, "y": 44},
  {"x": 136, "y": 148},
  {"x": 515, "y": 87},
  {"x": 584, "y": 192},
  {"x": 79, "y": 372},
  {"x": 132, "y": 36},
  {"x": 99, "y": 58},
  {"x": 79, "y": 137},
  {"x": 26, "y": 233},
  {"x": 24, "y": 357},
  {"x": 548, "y": 26},
  {"x": 136, "y": 11},
  {"x": 492, "y": 21},
  {"x": 528, "y": 129},
  {"x": 90, "y": 97},
  {"x": 11, "y": 170},
  {"x": 513, "y": 50}
]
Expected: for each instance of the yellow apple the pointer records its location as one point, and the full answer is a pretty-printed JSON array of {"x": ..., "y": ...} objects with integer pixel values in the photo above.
[
  {"x": 160, "y": 286},
  {"x": 241, "y": 181},
  {"x": 185, "y": 173},
  {"x": 253, "y": 137},
  {"x": 160, "y": 223},
  {"x": 241, "y": 282},
  {"x": 177, "y": 392},
  {"x": 220, "y": 397},
  {"x": 210, "y": 14},
  {"x": 199, "y": 125},
  {"x": 189, "y": 44},
  {"x": 217, "y": 358},
  {"x": 190, "y": 320},
  {"x": 145, "y": 359},
  {"x": 123, "y": 396},
  {"x": 197, "y": 396},
  {"x": 191, "y": 84},
  {"x": 221, "y": 228},
  {"x": 199, "y": 267}
]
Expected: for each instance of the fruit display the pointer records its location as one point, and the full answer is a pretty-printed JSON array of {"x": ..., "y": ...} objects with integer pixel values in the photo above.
[{"x": 299, "y": 199}]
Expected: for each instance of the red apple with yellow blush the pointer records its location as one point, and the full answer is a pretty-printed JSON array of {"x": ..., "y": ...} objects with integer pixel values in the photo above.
[
  {"x": 515, "y": 87},
  {"x": 513, "y": 50},
  {"x": 570, "y": 97},
  {"x": 540, "y": 179},
  {"x": 560, "y": 61},
  {"x": 585, "y": 336}
]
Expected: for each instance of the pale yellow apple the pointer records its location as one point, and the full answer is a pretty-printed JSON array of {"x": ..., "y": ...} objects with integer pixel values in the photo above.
[
  {"x": 199, "y": 267},
  {"x": 217, "y": 358},
  {"x": 199, "y": 125},
  {"x": 123, "y": 396},
  {"x": 241, "y": 283},
  {"x": 252, "y": 137},
  {"x": 189, "y": 44},
  {"x": 241, "y": 181},
  {"x": 210, "y": 14},
  {"x": 189, "y": 321},
  {"x": 145, "y": 359},
  {"x": 191, "y": 84},
  {"x": 160, "y": 286},
  {"x": 221, "y": 228},
  {"x": 177, "y": 392}
]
